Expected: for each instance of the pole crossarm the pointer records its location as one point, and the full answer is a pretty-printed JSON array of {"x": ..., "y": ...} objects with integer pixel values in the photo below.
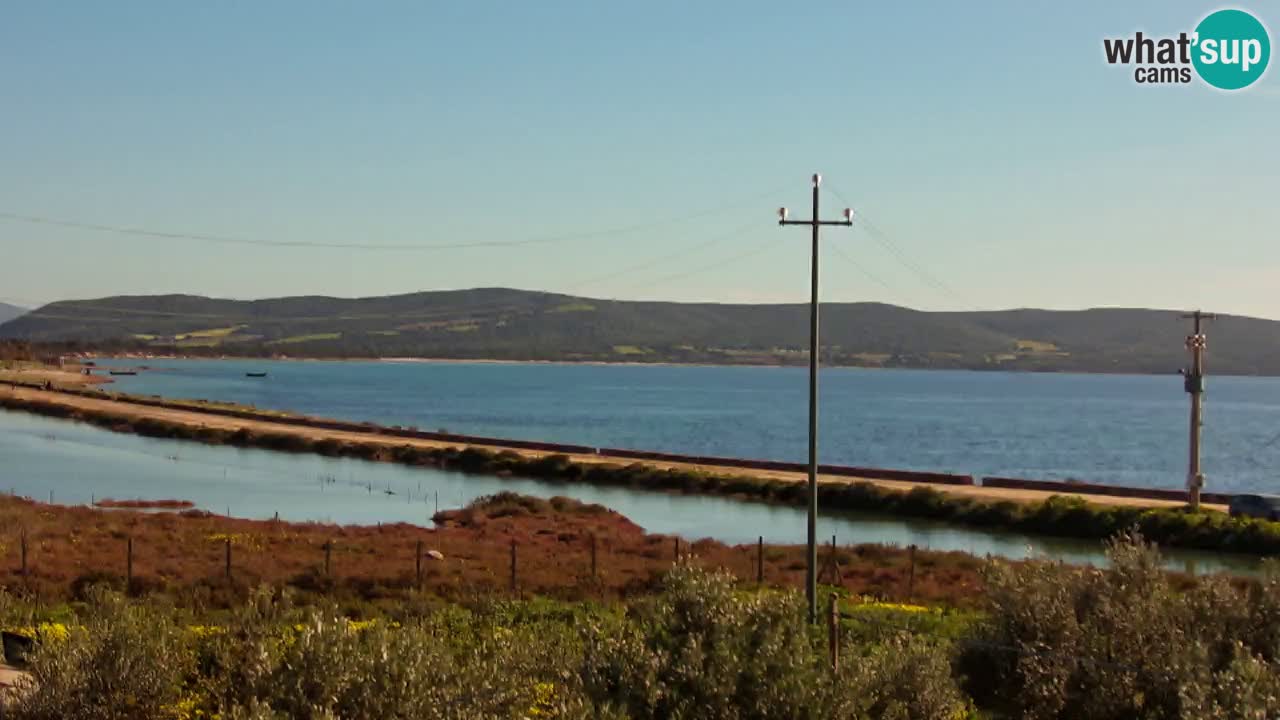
[
  {"x": 814, "y": 222},
  {"x": 842, "y": 223}
]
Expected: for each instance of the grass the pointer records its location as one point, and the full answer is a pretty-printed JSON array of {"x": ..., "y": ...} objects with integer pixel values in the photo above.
[
  {"x": 211, "y": 333},
  {"x": 305, "y": 338},
  {"x": 630, "y": 350},
  {"x": 145, "y": 504},
  {"x": 182, "y": 555},
  {"x": 573, "y": 307},
  {"x": 1036, "y": 346}
]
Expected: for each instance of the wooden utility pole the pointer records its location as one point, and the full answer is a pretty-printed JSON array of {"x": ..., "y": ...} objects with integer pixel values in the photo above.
[
  {"x": 1194, "y": 384},
  {"x": 811, "y": 569}
]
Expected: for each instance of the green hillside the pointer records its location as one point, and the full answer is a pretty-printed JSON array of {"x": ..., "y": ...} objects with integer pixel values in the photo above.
[{"x": 522, "y": 325}]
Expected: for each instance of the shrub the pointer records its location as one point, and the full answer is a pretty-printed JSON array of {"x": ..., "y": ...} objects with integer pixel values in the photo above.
[
  {"x": 126, "y": 662},
  {"x": 701, "y": 649},
  {"x": 1067, "y": 642}
]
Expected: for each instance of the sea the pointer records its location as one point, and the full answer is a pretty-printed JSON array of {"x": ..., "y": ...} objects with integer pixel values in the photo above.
[{"x": 1114, "y": 429}]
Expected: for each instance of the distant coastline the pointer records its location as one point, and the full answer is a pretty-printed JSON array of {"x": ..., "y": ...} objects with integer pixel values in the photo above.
[
  {"x": 504, "y": 325},
  {"x": 619, "y": 363}
]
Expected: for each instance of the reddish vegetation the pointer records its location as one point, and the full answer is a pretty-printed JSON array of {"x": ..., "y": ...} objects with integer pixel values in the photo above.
[
  {"x": 183, "y": 554},
  {"x": 146, "y": 504}
]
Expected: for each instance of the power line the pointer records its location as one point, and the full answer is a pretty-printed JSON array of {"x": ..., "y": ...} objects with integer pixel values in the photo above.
[
  {"x": 858, "y": 266},
  {"x": 223, "y": 239},
  {"x": 664, "y": 258},
  {"x": 751, "y": 251},
  {"x": 905, "y": 260}
]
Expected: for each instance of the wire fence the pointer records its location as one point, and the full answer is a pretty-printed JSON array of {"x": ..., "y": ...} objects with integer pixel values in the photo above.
[{"x": 51, "y": 553}]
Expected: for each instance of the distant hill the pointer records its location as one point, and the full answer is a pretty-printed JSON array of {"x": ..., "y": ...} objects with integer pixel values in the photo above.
[
  {"x": 9, "y": 312},
  {"x": 522, "y": 325}
]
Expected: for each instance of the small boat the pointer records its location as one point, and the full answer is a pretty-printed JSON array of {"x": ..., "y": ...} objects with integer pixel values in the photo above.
[
  {"x": 123, "y": 372},
  {"x": 255, "y": 374}
]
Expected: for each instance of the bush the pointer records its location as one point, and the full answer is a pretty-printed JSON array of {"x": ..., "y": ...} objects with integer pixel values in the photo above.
[
  {"x": 701, "y": 649},
  {"x": 1085, "y": 643},
  {"x": 127, "y": 662}
]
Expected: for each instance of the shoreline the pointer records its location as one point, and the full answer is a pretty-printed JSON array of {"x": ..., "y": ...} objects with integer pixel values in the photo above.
[
  {"x": 227, "y": 415},
  {"x": 409, "y": 360},
  {"x": 1031, "y": 511}
]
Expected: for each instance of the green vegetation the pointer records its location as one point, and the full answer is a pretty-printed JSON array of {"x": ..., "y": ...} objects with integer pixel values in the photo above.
[
  {"x": 305, "y": 338},
  {"x": 521, "y": 325},
  {"x": 573, "y": 307},
  {"x": 1052, "y": 642},
  {"x": 211, "y": 333},
  {"x": 1062, "y": 516},
  {"x": 630, "y": 350},
  {"x": 1087, "y": 644},
  {"x": 699, "y": 649}
]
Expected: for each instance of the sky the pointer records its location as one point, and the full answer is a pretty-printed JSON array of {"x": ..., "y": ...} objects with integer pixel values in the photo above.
[{"x": 645, "y": 145}]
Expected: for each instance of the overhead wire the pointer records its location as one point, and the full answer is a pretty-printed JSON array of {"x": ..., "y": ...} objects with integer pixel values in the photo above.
[
  {"x": 224, "y": 239},
  {"x": 687, "y": 250},
  {"x": 858, "y": 266},
  {"x": 900, "y": 255},
  {"x": 748, "y": 252}
]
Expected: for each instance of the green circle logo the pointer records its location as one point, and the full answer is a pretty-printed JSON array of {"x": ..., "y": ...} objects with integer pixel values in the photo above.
[{"x": 1232, "y": 49}]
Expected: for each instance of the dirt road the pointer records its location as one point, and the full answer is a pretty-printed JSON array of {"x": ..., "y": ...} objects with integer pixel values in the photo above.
[{"x": 194, "y": 418}]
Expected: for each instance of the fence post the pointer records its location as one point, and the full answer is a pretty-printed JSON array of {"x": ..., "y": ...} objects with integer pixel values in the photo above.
[
  {"x": 593, "y": 556},
  {"x": 417, "y": 567},
  {"x": 128, "y": 563},
  {"x": 911, "y": 574},
  {"x": 513, "y": 565},
  {"x": 677, "y": 548},
  {"x": 328, "y": 551},
  {"x": 228, "y": 559},
  {"x": 760, "y": 560},
  {"x": 833, "y": 633}
]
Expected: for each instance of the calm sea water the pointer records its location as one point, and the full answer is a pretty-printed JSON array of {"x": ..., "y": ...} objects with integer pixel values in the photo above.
[
  {"x": 1117, "y": 429},
  {"x": 73, "y": 463}
]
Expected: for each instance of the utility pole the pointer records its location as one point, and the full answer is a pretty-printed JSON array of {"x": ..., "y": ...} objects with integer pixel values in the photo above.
[
  {"x": 1193, "y": 382},
  {"x": 811, "y": 571}
]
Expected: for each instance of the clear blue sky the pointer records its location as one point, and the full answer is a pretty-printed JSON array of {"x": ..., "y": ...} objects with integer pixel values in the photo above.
[{"x": 989, "y": 141}]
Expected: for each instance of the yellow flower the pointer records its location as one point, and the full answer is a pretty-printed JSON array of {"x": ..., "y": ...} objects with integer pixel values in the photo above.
[
  {"x": 544, "y": 696},
  {"x": 53, "y": 631},
  {"x": 56, "y": 632},
  {"x": 898, "y": 607},
  {"x": 360, "y": 625}
]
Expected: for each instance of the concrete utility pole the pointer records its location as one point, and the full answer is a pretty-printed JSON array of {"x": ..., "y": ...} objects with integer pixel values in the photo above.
[
  {"x": 811, "y": 571},
  {"x": 1193, "y": 381}
]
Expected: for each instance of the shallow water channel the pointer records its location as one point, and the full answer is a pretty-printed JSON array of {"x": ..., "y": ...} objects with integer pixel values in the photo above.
[{"x": 74, "y": 463}]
